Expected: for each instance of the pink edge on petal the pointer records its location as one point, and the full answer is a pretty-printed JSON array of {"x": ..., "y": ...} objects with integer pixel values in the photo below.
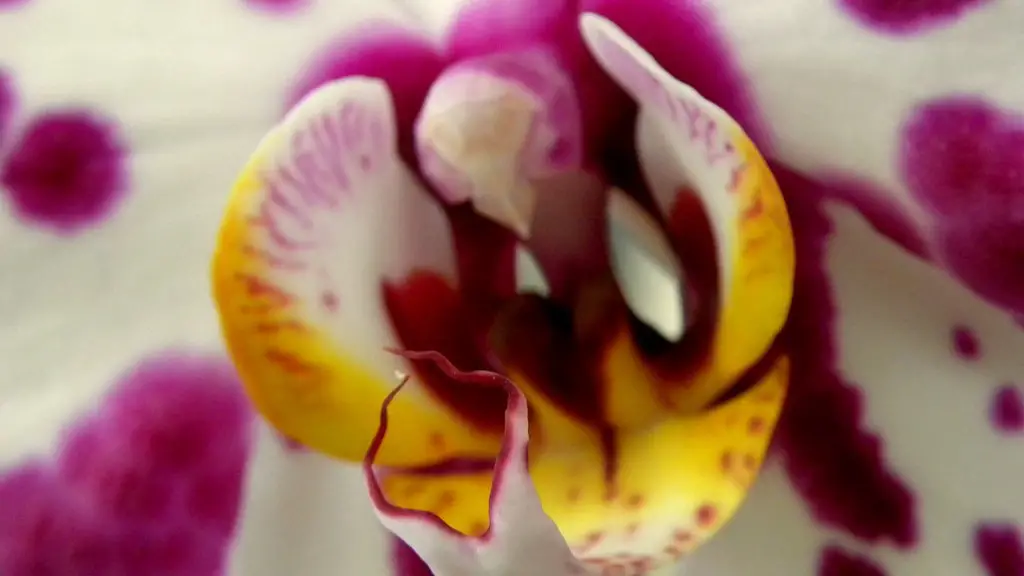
[
  {"x": 515, "y": 439},
  {"x": 503, "y": 540}
]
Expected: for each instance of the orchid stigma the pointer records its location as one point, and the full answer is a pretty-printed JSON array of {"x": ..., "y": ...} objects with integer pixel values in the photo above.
[{"x": 564, "y": 429}]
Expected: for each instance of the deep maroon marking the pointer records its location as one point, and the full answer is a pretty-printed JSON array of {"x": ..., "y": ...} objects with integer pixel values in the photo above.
[
  {"x": 961, "y": 158},
  {"x": 836, "y": 465},
  {"x": 428, "y": 315},
  {"x": 908, "y": 16},
  {"x": 67, "y": 173},
  {"x": 834, "y": 561},
  {"x": 151, "y": 483},
  {"x": 999, "y": 549},
  {"x": 965, "y": 343},
  {"x": 1007, "y": 409}
]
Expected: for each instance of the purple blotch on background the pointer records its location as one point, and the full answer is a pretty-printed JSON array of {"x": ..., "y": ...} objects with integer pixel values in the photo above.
[
  {"x": 8, "y": 99},
  {"x": 908, "y": 16},
  {"x": 278, "y": 6},
  {"x": 150, "y": 483},
  {"x": 965, "y": 343},
  {"x": 835, "y": 561},
  {"x": 67, "y": 172},
  {"x": 835, "y": 463},
  {"x": 963, "y": 160},
  {"x": 999, "y": 549},
  {"x": 1007, "y": 409},
  {"x": 11, "y": 4}
]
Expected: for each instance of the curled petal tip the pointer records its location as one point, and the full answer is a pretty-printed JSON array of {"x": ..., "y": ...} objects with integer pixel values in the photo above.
[{"x": 492, "y": 128}]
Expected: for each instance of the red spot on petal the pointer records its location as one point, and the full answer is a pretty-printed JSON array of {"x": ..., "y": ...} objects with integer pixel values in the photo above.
[
  {"x": 706, "y": 515},
  {"x": 965, "y": 343},
  {"x": 329, "y": 301},
  {"x": 437, "y": 441},
  {"x": 682, "y": 536},
  {"x": 728, "y": 461},
  {"x": 573, "y": 495},
  {"x": 444, "y": 501},
  {"x": 756, "y": 425},
  {"x": 635, "y": 501}
]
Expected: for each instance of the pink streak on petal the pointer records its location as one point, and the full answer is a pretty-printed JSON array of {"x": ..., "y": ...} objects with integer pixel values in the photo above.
[
  {"x": 834, "y": 561},
  {"x": 67, "y": 173},
  {"x": 908, "y": 16},
  {"x": 409, "y": 62},
  {"x": 836, "y": 465},
  {"x": 965, "y": 343},
  {"x": 999, "y": 549},
  {"x": 11, "y": 4},
  {"x": 682, "y": 36},
  {"x": 1007, "y": 410}
]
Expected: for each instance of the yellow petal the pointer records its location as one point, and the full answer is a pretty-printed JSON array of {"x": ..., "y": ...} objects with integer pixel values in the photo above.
[
  {"x": 673, "y": 485},
  {"x": 324, "y": 214},
  {"x": 688, "y": 143}
]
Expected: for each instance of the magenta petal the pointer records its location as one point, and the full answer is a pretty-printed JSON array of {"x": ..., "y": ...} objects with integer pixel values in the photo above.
[
  {"x": 407, "y": 61},
  {"x": 681, "y": 36},
  {"x": 486, "y": 27}
]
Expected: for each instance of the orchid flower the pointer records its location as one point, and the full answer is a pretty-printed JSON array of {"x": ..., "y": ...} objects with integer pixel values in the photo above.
[{"x": 550, "y": 420}]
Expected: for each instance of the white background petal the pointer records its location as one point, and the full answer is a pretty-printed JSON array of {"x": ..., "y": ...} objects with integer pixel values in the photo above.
[{"x": 196, "y": 83}]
